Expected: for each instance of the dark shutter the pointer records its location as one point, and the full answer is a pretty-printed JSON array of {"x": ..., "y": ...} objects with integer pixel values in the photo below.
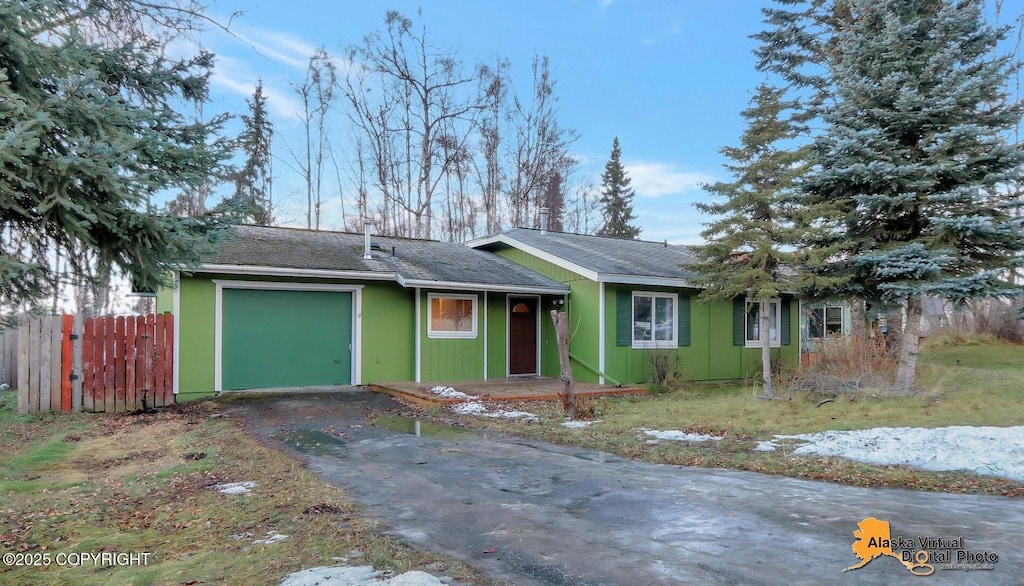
[
  {"x": 684, "y": 320},
  {"x": 785, "y": 320},
  {"x": 624, "y": 318},
  {"x": 739, "y": 324}
]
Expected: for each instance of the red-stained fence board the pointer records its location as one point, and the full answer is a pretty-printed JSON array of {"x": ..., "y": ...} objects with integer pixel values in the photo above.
[
  {"x": 88, "y": 365},
  {"x": 109, "y": 400},
  {"x": 66, "y": 362}
]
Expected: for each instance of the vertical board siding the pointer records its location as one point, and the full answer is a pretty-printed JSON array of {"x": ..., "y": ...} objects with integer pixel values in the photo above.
[{"x": 66, "y": 363}]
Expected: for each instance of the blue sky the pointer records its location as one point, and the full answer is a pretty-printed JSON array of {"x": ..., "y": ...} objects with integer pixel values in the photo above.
[{"x": 668, "y": 77}]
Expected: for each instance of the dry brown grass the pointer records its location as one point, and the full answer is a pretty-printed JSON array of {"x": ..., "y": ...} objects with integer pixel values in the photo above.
[{"x": 847, "y": 365}]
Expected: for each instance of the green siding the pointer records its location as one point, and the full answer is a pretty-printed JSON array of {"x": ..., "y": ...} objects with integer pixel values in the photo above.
[
  {"x": 549, "y": 365},
  {"x": 582, "y": 310},
  {"x": 165, "y": 300},
  {"x": 388, "y": 333},
  {"x": 451, "y": 359},
  {"x": 195, "y": 337},
  {"x": 631, "y": 365},
  {"x": 497, "y": 333},
  {"x": 388, "y": 343}
]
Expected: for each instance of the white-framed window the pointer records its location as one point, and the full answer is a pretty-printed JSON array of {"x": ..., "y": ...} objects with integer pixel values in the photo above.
[
  {"x": 825, "y": 322},
  {"x": 655, "y": 320},
  {"x": 451, "y": 316},
  {"x": 753, "y": 323}
]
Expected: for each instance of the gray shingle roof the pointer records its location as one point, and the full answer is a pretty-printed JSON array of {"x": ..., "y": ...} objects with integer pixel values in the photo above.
[
  {"x": 414, "y": 260},
  {"x": 609, "y": 256}
]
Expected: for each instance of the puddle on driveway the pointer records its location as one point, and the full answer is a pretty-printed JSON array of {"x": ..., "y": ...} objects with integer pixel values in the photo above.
[
  {"x": 312, "y": 442},
  {"x": 424, "y": 428}
]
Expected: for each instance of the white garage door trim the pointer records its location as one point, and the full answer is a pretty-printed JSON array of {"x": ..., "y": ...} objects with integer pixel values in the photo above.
[{"x": 357, "y": 317}]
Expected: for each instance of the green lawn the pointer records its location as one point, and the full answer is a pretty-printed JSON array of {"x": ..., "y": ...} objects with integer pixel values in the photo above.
[{"x": 967, "y": 384}]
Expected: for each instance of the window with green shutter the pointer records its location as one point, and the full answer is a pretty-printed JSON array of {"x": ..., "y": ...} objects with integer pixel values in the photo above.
[{"x": 647, "y": 319}]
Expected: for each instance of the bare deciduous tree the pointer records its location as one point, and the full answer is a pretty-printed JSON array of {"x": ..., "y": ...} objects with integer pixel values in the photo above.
[
  {"x": 541, "y": 145},
  {"x": 415, "y": 105}
]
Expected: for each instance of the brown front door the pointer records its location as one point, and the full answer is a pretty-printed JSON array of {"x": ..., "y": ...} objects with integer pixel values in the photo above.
[{"x": 522, "y": 335}]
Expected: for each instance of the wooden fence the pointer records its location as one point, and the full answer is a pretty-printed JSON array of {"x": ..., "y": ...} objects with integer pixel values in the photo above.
[
  {"x": 96, "y": 364},
  {"x": 9, "y": 357}
]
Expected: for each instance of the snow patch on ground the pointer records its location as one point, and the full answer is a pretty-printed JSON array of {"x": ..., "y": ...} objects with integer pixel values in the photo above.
[
  {"x": 478, "y": 408},
  {"x": 680, "y": 436},
  {"x": 356, "y": 576},
  {"x": 450, "y": 393},
  {"x": 236, "y": 487},
  {"x": 272, "y": 537},
  {"x": 987, "y": 451},
  {"x": 579, "y": 424}
]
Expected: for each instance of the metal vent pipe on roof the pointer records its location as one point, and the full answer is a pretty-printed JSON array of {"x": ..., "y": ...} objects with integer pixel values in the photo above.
[
  {"x": 366, "y": 239},
  {"x": 544, "y": 220}
]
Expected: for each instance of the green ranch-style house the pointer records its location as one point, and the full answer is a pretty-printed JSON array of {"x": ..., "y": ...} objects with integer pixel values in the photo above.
[{"x": 285, "y": 307}]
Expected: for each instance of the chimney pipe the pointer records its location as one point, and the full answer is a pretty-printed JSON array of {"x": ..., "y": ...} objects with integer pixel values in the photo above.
[
  {"x": 543, "y": 220},
  {"x": 366, "y": 239}
]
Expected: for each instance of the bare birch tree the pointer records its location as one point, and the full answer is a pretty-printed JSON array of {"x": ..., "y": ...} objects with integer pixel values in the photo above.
[{"x": 408, "y": 97}]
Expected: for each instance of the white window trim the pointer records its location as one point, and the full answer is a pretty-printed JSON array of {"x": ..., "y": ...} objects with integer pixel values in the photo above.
[
  {"x": 773, "y": 302},
  {"x": 842, "y": 321},
  {"x": 652, "y": 343},
  {"x": 431, "y": 333}
]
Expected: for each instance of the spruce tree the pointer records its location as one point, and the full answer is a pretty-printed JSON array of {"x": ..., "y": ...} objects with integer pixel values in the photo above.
[
  {"x": 746, "y": 252},
  {"x": 253, "y": 180},
  {"x": 90, "y": 132},
  {"x": 914, "y": 162},
  {"x": 617, "y": 198}
]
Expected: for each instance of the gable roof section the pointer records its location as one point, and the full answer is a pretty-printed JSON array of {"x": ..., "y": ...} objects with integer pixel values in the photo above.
[
  {"x": 273, "y": 251},
  {"x": 599, "y": 258}
]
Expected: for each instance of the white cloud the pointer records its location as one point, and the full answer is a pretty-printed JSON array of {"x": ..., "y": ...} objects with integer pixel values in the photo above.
[
  {"x": 653, "y": 179},
  {"x": 275, "y": 46},
  {"x": 238, "y": 77}
]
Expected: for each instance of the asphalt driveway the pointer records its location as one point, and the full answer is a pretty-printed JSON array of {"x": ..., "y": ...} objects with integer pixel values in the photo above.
[{"x": 528, "y": 512}]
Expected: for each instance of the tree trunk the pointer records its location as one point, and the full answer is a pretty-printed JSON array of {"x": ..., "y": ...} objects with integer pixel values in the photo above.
[
  {"x": 858, "y": 320},
  {"x": 568, "y": 392},
  {"x": 909, "y": 341},
  {"x": 766, "y": 348}
]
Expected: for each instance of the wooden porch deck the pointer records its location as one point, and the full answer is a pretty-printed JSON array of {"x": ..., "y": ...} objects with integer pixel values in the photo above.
[{"x": 501, "y": 389}]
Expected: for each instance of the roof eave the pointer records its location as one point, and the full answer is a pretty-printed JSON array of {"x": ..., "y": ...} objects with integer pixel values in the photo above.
[
  {"x": 546, "y": 256},
  {"x": 268, "y": 271},
  {"x": 501, "y": 288},
  {"x": 645, "y": 280}
]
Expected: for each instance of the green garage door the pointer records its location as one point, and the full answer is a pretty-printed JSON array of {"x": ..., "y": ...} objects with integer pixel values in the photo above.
[{"x": 285, "y": 338}]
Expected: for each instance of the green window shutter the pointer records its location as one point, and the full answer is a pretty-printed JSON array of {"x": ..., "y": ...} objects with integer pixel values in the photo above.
[
  {"x": 624, "y": 318},
  {"x": 785, "y": 311},
  {"x": 684, "y": 320},
  {"x": 739, "y": 325}
]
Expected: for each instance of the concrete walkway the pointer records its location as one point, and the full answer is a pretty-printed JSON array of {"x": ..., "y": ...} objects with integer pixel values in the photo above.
[{"x": 531, "y": 513}]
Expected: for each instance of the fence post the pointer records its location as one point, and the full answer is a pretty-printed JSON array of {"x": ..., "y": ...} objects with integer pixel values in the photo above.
[
  {"x": 168, "y": 350},
  {"x": 78, "y": 329},
  {"x": 23, "y": 331}
]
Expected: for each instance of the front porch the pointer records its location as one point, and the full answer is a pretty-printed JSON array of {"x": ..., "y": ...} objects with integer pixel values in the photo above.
[{"x": 500, "y": 389}]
